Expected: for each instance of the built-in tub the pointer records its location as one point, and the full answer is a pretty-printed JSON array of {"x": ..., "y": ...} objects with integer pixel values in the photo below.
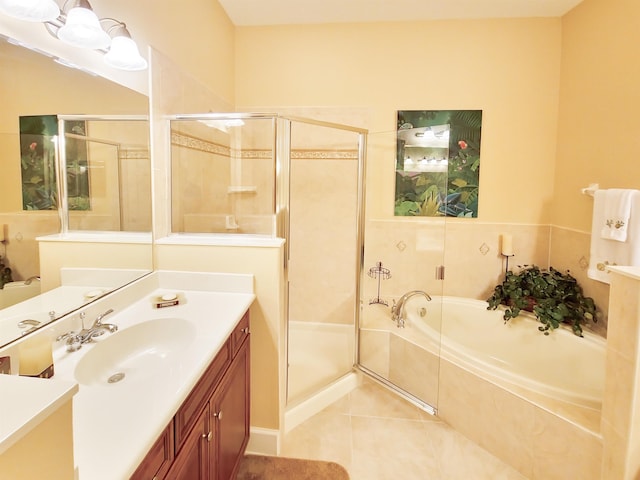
[
  {"x": 16, "y": 292},
  {"x": 532, "y": 400},
  {"x": 561, "y": 364}
]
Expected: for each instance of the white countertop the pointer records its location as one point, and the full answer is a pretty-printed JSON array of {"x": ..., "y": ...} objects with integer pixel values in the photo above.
[
  {"x": 25, "y": 402},
  {"x": 114, "y": 425}
]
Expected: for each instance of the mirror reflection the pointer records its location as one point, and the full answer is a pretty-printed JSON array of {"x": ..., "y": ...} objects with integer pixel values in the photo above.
[
  {"x": 116, "y": 154},
  {"x": 107, "y": 184}
]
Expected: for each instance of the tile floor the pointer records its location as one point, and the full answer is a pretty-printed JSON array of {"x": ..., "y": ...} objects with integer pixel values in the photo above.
[{"x": 377, "y": 435}]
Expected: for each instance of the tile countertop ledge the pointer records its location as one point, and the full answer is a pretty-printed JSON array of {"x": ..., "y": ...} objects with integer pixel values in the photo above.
[
  {"x": 631, "y": 272},
  {"x": 25, "y": 402},
  {"x": 114, "y": 425}
]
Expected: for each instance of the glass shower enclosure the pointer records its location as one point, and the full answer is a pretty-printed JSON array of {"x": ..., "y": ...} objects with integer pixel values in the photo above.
[
  {"x": 269, "y": 175},
  {"x": 400, "y": 321}
]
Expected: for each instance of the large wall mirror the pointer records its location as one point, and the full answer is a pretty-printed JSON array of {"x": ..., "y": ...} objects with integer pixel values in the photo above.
[{"x": 116, "y": 168}]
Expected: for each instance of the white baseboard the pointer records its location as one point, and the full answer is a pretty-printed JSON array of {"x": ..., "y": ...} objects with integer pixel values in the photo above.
[
  {"x": 297, "y": 414},
  {"x": 263, "y": 441}
]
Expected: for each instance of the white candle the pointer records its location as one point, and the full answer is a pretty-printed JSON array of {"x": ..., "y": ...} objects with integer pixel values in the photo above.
[
  {"x": 35, "y": 356},
  {"x": 507, "y": 244}
]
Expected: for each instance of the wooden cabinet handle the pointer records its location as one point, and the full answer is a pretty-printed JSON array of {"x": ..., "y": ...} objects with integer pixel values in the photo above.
[
  {"x": 208, "y": 436},
  {"x": 245, "y": 330},
  {"x": 218, "y": 415}
]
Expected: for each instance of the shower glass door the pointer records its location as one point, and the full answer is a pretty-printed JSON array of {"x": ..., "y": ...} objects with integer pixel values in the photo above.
[
  {"x": 324, "y": 256},
  {"x": 399, "y": 327}
]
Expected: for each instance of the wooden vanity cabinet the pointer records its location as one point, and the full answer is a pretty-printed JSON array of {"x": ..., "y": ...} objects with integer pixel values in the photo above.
[
  {"x": 211, "y": 428},
  {"x": 229, "y": 418},
  {"x": 157, "y": 462},
  {"x": 193, "y": 461}
]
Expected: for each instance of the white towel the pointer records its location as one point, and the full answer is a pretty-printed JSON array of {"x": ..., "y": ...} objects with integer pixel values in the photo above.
[
  {"x": 617, "y": 210},
  {"x": 605, "y": 252}
]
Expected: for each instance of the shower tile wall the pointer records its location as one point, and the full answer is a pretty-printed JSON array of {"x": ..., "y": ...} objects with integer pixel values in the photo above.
[{"x": 323, "y": 247}]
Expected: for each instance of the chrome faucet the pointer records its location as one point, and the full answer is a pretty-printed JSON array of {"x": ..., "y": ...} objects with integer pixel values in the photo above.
[
  {"x": 397, "y": 310},
  {"x": 97, "y": 323},
  {"x": 75, "y": 340}
]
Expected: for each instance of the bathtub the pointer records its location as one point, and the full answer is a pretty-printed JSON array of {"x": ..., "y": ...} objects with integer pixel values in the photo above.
[
  {"x": 16, "y": 292},
  {"x": 530, "y": 399},
  {"x": 560, "y": 365}
]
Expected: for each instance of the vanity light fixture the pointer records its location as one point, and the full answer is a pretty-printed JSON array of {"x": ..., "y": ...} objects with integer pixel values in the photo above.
[
  {"x": 77, "y": 24},
  {"x": 82, "y": 27},
  {"x": 123, "y": 52},
  {"x": 31, "y": 10}
]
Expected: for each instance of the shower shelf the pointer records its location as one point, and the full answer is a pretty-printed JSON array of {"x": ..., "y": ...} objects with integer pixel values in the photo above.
[{"x": 241, "y": 189}]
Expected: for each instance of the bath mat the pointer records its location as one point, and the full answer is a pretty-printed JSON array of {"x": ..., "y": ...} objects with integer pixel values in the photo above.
[{"x": 258, "y": 467}]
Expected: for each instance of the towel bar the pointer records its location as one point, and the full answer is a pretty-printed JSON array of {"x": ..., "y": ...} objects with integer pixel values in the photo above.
[{"x": 590, "y": 190}]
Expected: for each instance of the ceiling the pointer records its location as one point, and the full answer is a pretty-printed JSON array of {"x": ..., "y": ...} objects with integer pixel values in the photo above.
[{"x": 279, "y": 12}]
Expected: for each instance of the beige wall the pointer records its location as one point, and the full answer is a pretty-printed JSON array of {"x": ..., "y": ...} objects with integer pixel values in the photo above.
[
  {"x": 508, "y": 68},
  {"x": 267, "y": 314},
  {"x": 598, "y": 117},
  {"x": 199, "y": 36}
]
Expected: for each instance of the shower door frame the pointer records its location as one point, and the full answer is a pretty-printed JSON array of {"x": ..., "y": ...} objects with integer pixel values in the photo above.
[{"x": 283, "y": 225}]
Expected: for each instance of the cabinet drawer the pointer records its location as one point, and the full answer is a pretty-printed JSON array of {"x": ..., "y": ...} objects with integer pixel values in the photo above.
[
  {"x": 188, "y": 413},
  {"x": 157, "y": 462},
  {"x": 239, "y": 334}
]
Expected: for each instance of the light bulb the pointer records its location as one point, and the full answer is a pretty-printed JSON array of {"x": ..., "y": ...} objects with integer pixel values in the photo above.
[
  {"x": 31, "y": 10},
  {"x": 124, "y": 55},
  {"x": 82, "y": 29}
]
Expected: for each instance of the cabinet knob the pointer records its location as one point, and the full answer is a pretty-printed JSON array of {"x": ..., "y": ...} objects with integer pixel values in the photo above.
[
  {"x": 245, "y": 330},
  {"x": 208, "y": 436},
  {"x": 218, "y": 415}
]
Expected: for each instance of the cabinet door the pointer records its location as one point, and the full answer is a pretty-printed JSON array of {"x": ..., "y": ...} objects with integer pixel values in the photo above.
[
  {"x": 159, "y": 458},
  {"x": 192, "y": 461},
  {"x": 230, "y": 417}
]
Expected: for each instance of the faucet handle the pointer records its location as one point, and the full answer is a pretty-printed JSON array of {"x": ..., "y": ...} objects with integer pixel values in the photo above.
[
  {"x": 72, "y": 340},
  {"x": 64, "y": 336}
]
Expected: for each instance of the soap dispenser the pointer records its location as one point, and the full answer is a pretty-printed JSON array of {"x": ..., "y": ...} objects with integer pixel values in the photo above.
[{"x": 35, "y": 356}]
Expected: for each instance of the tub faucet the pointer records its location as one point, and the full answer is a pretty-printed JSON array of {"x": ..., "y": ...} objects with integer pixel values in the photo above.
[
  {"x": 397, "y": 310},
  {"x": 31, "y": 279}
]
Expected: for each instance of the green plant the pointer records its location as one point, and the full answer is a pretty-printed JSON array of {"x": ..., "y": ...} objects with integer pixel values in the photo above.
[
  {"x": 553, "y": 297},
  {"x": 5, "y": 274}
]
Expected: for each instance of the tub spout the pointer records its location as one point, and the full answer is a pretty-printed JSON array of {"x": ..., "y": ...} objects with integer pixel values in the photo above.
[
  {"x": 31, "y": 279},
  {"x": 397, "y": 310}
]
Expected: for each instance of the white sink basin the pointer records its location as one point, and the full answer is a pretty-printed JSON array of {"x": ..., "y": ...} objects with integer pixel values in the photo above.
[{"x": 136, "y": 352}]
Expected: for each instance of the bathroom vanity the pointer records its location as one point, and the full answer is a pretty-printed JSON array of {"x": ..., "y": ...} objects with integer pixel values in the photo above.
[
  {"x": 207, "y": 436},
  {"x": 167, "y": 394}
]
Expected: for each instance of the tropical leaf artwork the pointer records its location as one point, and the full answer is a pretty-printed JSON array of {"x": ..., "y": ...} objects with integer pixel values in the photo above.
[{"x": 438, "y": 179}]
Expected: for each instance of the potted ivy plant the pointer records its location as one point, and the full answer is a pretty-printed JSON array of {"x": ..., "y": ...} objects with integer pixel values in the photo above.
[{"x": 552, "y": 296}]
